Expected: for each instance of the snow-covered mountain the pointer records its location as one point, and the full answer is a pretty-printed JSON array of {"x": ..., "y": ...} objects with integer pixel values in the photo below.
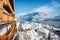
[
  {"x": 57, "y": 17},
  {"x": 33, "y": 16},
  {"x": 39, "y": 17}
]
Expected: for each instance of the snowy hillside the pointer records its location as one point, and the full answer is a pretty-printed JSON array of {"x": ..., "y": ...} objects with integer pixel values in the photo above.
[
  {"x": 57, "y": 17},
  {"x": 33, "y": 16}
]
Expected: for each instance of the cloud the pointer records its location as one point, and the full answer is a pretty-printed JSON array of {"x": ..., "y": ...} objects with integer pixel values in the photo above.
[
  {"x": 45, "y": 9},
  {"x": 48, "y": 8},
  {"x": 52, "y": 8},
  {"x": 55, "y": 4}
]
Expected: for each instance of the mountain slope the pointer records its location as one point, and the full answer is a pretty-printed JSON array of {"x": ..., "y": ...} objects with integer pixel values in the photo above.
[
  {"x": 57, "y": 17},
  {"x": 33, "y": 16}
]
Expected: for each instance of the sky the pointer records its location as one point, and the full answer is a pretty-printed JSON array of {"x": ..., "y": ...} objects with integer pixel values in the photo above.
[{"x": 51, "y": 7}]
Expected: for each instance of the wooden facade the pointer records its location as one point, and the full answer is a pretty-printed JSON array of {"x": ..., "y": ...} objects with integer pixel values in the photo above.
[{"x": 6, "y": 18}]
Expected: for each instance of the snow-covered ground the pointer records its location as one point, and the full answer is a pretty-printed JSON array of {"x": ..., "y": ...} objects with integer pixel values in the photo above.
[
  {"x": 36, "y": 32},
  {"x": 30, "y": 35}
]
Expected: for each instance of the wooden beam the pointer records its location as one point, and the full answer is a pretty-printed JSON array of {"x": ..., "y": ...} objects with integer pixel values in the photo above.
[
  {"x": 6, "y": 18},
  {"x": 8, "y": 7},
  {"x": 12, "y": 3}
]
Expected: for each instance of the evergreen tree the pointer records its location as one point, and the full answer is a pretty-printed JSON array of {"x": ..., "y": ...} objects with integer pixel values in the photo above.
[{"x": 49, "y": 36}]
